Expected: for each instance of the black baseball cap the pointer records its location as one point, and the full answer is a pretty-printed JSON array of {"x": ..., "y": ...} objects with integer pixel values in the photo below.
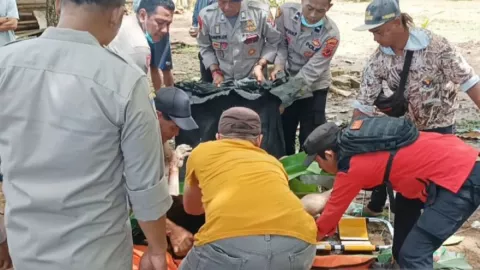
[
  {"x": 175, "y": 103},
  {"x": 322, "y": 138},
  {"x": 378, "y": 13}
]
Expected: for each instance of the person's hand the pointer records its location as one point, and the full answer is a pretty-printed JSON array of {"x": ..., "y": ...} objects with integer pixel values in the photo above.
[
  {"x": 5, "y": 260},
  {"x": 217, "y": 78},
  {"x": 180, "y": 153},
  {"x": 273, "y": 74},
  {"x": 181, "y": 239},
  {"x": 153, "y": 261},
  {"x": 258, "y": 74},
  {"x": 281, "y": 109},
  {"x": 193, "y": 31}
]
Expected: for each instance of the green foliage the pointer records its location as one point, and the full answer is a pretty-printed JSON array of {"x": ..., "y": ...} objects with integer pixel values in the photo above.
[
  {"x": 276, "y": 3},
  {"x": 425, "y": 23}
]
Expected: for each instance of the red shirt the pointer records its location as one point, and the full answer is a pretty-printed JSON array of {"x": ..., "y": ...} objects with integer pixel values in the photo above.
[{"x": 442, "y": 159}]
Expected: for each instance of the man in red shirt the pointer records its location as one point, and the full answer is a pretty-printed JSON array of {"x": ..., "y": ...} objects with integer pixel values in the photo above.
[{"x": 440, "y": 170}]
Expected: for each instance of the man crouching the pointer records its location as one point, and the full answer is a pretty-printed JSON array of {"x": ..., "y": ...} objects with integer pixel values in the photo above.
[{"x": 253, "y": 220}]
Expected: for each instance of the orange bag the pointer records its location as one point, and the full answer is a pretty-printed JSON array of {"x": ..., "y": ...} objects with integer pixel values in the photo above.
[
  {"x": 138, "y": 251},
  {"x": 342, "y": 262}
]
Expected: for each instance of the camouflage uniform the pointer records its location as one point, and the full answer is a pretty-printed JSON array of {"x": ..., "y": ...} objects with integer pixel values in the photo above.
[{"x": 438, "y": 70}]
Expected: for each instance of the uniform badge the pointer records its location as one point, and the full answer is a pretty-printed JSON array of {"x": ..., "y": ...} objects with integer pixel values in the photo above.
[
  {"x": 224, "y": 45},
  {"x": 251, "y": 38},
  {"x": 217, "y": 29},
  {"x": 278, "y": 13},
  {"x": 330, "y": 46},
  {"x": 308, "y": 54},
  {"x": 297, "y": 16},
  {"x": 252, "y": 52},
  {"x": 250, "y": 26},
  {"x": 216, "y": 45},
  {"x": 200, "y": 23},
  {"x": 427, "y": 83},
  {"x": 316, "y": 43}
]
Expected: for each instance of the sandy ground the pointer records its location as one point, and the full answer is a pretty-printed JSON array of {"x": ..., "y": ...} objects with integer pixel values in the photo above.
[{"x": 459, "y": 21}]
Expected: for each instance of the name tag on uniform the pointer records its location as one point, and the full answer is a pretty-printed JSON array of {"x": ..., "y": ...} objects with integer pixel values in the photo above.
[{"x": 251, "y": 39}]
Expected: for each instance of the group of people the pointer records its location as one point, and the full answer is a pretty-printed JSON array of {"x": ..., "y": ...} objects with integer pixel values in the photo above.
[{"x": 82, "y": 144}]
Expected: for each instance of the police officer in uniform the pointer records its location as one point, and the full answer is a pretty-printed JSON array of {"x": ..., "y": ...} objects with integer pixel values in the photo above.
[
  {"x": 236, "y": 39},
  {"x": 310, "y": 41}
]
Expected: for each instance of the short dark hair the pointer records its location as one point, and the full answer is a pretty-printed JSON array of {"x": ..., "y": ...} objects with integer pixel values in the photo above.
[
  {"x": 102, "y": 3},
  {"x": 407, "y": 21},
  {"x": 151, "y": 5}
]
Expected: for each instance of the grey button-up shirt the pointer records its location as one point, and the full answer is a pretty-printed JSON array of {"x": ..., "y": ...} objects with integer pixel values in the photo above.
[
  {"x": 306, "y": 54},
  {"x": 236, "y": 49},
  {"x": 78, "y": 134},
  {"x": 131, "y": 40}
]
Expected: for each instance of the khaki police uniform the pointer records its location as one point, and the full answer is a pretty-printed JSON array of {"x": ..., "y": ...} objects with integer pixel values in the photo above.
[
  {"x": 131, "y": 40},
  {"x": 306, "y": 55},
  {"x": 78, "y": 135},
  {"x": 236, "y": 49}
]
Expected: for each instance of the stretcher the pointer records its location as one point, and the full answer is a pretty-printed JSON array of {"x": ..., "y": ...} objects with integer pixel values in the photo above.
[
  {"x": 320, "y": 262},
  {"x": 354, "y": 236}
]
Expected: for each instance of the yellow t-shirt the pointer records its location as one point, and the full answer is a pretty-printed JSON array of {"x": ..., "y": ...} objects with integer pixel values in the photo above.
[{"x": 245, "y": 192}]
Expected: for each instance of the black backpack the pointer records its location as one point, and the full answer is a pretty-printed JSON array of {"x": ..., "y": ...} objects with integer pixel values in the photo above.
[{"x": 373, "y": 134}]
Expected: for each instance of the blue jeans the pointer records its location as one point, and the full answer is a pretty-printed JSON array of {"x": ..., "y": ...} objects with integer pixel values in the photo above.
[
  {"x": 443, "y": 215},
  {"x": 251, "y": 253}
]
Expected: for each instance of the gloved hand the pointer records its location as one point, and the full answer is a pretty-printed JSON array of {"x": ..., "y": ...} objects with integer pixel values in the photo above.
[{"x": 181, "y": 151}]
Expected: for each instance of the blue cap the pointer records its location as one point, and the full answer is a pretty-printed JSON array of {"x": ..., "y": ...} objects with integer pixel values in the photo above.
[{"x": 378, "y": 13}]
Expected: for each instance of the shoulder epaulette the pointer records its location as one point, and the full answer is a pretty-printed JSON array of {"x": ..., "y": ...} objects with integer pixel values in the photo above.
[
  {"x": 295, "y": 6},
  {"x": 124, "y": 58},
  {"x": 259, "y": 5},
  {"x": 211, "y": 7}
]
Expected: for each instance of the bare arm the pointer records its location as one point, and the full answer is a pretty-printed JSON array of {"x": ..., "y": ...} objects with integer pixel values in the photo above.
[
  {"x": 10, "y": 21},
  {"x": 157, "y": 80},
  {"x": 168, "y": 78},
  {"x": 156, "y": 233},
  {"x": 474, "y": 94},
  {"x": 192, "y": 194},
  {"x": 192, "y": 199},
  {"x": 8, "y": 24}
]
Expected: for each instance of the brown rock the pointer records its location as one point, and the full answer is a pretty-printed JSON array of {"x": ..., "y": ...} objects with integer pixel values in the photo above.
[{"x": 342, "y": 82}]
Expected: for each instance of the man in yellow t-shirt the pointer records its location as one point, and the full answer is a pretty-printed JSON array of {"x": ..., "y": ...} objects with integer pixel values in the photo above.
[{"x": 253, "y": 220}]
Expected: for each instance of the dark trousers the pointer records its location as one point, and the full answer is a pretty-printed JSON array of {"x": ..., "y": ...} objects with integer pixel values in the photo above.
[
  {"x": 205, "y": 73},
  {"x": 444, "y": 214},
  {"x": 309, "y": 112},
  {"x": 407, "y": 211}
]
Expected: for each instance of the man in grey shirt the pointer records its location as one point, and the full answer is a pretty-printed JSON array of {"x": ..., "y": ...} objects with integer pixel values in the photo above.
[
  {"x": 8, "y": 21},
  {"x": 75, "y": 141}
]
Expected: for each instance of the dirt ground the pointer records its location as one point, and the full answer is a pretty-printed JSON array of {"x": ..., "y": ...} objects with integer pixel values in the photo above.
[{"x": 459, "y": 21}]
